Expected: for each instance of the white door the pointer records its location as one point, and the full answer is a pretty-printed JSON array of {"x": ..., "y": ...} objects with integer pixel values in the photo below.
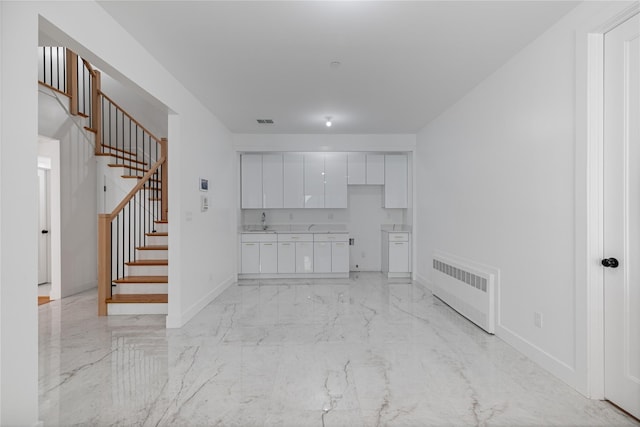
[
  {"x": 286, "y": 257},
  {"x": 322, "y": 257},
  {"x": 250, "y": 258},
  {"x": 622, "y": 216},
  {"x": 272, "y": 187},
  {"x": 335, "y": 180},
  {"x": 268, "y": 258},
  {"x": 251, "y": 181},
  {"x": 314, "y": 180},
  {"x": 44, "y": 251}
]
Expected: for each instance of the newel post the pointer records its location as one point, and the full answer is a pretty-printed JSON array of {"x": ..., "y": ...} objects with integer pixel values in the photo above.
[
  {"x": 164, "y": 180},
  {"x": 104, "y": 262},
  {"x": 72, "y": 81},
  {"x": 96, "y": 109}
]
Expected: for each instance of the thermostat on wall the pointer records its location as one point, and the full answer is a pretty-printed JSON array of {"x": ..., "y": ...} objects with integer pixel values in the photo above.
[{"x": 204, "y": 184}]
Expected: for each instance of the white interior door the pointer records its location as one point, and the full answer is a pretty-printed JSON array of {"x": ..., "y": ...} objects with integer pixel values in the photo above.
[
  {"x": 44, "y": 250},
  {"x": 622, "y": 215}
]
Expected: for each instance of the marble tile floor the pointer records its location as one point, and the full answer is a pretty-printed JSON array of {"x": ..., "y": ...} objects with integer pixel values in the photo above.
[{"x": 355, "y": 352}]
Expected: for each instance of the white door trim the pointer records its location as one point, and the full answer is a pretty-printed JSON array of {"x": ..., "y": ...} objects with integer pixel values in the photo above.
[{"x": 588, "y": 264}]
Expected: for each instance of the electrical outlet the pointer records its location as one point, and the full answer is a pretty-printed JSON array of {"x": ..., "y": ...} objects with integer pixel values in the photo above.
[{"x": 537, "y": 319}]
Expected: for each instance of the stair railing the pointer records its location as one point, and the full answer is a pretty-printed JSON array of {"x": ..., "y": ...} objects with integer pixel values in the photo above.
[{"x": 125, "y": 229}]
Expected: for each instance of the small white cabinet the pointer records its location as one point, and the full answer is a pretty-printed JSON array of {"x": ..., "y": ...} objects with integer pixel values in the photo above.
[
  {"x": 356, "y": 165},
  {"x": 251, "y": 181},
  {"x": 314, "y": 180},
  {"x": 395, "y": 181},
  {"x": 286, "y": 257},
  {"x": 335, "y": 180},
  {"x": 268, "y": 257},
  {"x": 304, "y": 257},
  {"x": 293, "y": 175},
  {"x": 375, "y": 169},
  {"x": 250, "y": 263},
  {"x": 272, "y": 181},
  {"x": 322, "y": 257},
  {"x": 396, "y": 254}
]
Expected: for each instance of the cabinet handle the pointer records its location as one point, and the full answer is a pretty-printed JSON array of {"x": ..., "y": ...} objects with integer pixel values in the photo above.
[
  {"x": 294, "y": 238},
  {"x": 399, "y": 243},
  {"x": 268, "y": 244},
  {"x": 249, "y": 244}
]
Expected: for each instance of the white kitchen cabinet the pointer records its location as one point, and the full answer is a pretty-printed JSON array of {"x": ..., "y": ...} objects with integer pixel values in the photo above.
[
  {"x": 304, "y": 257},
  {"x": 268, "y": 257},
  {"x": 356, "y": 168},
  {"x": 286, "y": 257},
  {"x": 335, "y": 180},
  {"x": 251, "y": 181},
  {"x": 398, "y": 257},
  {"x": 340, "y": 257},
  {"x": 250, "y": 258},
  {"x": 395, "y": 181},
  {"x": 375, "y": 169},
  {"x": 314, "y": 180},
  {"x": 272, "y": 181},
  {"x": 293, "y": 177},
  {"x": 322, "y": 257}
]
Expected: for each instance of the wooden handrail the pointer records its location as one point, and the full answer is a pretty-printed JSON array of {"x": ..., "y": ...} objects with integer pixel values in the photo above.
[
  {"x": 146, "y": 177},
  {"x": 89, "y": 67},
  {"x": 129, "y": 116}
]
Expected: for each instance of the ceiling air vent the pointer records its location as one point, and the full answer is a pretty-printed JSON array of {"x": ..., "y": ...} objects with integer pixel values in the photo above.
[{"x": 265, "y": 121}]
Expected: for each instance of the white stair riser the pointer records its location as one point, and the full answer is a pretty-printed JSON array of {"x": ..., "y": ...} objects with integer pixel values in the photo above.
[
  {"x": 157, "y": 240},
  {"x": 162, "y": 227},
  {"x": 155, "y": 254},
  {"x": 141, "y": 288},
  {"x": 146, "y": 308},
  {"x": 147, "y": 270}
]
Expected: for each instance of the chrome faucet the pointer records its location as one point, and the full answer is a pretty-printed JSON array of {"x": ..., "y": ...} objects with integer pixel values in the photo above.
[{"x": 264, "y": 221}]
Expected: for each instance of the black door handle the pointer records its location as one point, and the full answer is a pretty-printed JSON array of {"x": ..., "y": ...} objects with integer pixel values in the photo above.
[
  {"x": 45, "y": 231},
  {"x": 610, "y": 262}
]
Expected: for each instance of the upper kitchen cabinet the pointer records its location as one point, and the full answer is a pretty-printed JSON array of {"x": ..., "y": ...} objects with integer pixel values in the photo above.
[
  {"x": 395, "y": 181},
  {"x": 293, "y": 171},
  {"x": 335, "y": 180},
  {"x": 375, "y": 169},
  {"x": 272, "y": 175},
  {"x": 251, "y": 177},
  {"x": 314, "y": 180},
  {"x": 357, "y": 168}
]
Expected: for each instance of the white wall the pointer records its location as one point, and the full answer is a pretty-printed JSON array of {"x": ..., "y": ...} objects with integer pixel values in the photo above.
[
  {"x": 496, "y": 184},
  {"x": 324, "y": 142},
  {"x": 201, "y": 262},
  {"x": 78, "y": 204}
]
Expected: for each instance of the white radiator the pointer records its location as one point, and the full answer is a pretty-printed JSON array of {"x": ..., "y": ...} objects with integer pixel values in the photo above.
[{"x": 469, "y": 288}]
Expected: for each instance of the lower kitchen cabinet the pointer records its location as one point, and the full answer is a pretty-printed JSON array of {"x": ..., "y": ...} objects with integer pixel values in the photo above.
[
  {"x": 322, "y": 257},
  {"x": 396, "y": 254},
  {"x": 268, "y": 257},
  {"x": 250, "y": 258},
  {"x": 286, "y": 257},
  {"x": 304, "y": 257}
]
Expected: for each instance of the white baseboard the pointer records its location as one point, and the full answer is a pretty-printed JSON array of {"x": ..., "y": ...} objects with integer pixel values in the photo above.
[
  {"x": 180, "y": 320},
  {"x": 424, "y": 282},
  {"x": 555, "y": 366}
]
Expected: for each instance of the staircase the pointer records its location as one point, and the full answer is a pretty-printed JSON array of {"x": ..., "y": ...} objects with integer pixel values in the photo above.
[{"x": 132, "y": 236}]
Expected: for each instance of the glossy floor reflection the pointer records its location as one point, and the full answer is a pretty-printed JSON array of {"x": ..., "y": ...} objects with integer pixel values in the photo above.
[{"x": 357, "y": 352}]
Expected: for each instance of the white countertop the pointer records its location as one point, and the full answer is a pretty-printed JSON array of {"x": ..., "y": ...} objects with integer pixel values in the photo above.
[
  {"x": 396, "y": 228},
  {"x": 295, "y": 228}
]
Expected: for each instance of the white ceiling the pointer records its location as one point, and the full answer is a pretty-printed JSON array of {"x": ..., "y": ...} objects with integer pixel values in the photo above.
[{"x": 403, "y": 63}]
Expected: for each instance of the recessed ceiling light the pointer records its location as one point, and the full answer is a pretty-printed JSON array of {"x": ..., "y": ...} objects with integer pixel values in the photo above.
[
  {"x": 328, "y": 123},
  {"x": 335, "y": 64}
]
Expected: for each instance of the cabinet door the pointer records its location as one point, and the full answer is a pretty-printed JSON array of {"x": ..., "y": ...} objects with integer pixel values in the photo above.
[
  {"x": 293, "y": 172},
  {"x": 272, "y": 184},
  {"x": 250, "y": 258},
  {"x": 304, "y": 257},
  {"x": 398, "y": 257},
  {"x": 375, "y": 169},
  {"x": 335, "y": 180},
  {"x": 286, "y": 257},
  {"x": 322, "y": 257},
  {"x": 268, "y": 257},
  {"x": 251, "y": 181},
  {"x": 395, "y": 181},
  {"x": 356, "y": 168},
  {"x": 340, "y": 257},
  {"x": 314, "y": 180}
]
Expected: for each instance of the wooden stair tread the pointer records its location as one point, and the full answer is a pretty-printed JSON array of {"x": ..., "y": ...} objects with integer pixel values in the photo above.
[
  {"x": 122, "y": 150},
  {"x": 114, "y": 165},
  {"x": 162, "y": 221},
  {"x": 128, "y": 159},
  {"x": 159, "y": 234},
  {"x": 154, "y": 248},
  {"x": 138, "y": 298},
  {"x": 139, "y": 177},
  {"x": 143, "y": 279},
  {"x": 147, "y": 262},
  {"x": 87, "y": 128}
]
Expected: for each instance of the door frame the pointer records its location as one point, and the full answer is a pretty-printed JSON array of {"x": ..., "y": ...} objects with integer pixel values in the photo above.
[{"x": 590, "y": 124}]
